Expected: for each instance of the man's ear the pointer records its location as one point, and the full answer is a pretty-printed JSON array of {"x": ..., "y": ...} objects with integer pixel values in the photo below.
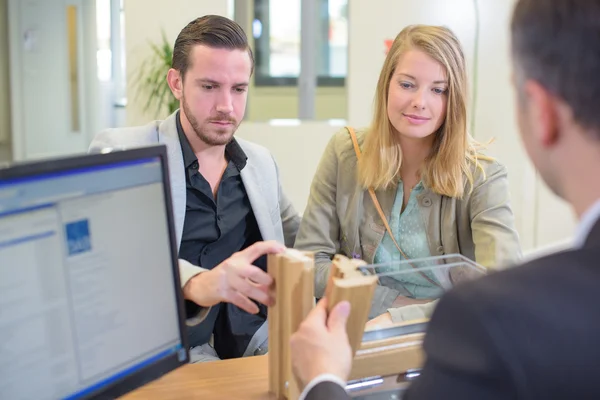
[
  {"x": 175, "y": 83},
  {"x": 542, "y": 113}
]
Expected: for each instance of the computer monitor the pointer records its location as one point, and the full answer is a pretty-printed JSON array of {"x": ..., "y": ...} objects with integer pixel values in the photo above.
[{"x": 90, "y": 299}]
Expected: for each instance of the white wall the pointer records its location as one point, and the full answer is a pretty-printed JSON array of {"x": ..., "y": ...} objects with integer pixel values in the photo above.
[
  {"x": 4, "y": 76},
  {"x": 297, "y": 148},
  {"x": 270, "y": 102},
  {"x": 143, "y": 22},
  {"x": 49, "y": 116},
  {"x": 495, "y": 112},
  {"x": 542, "y": 218}
]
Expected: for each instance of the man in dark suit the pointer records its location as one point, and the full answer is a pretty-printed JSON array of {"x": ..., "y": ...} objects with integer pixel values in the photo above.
[{"x": 530, "y": 332}]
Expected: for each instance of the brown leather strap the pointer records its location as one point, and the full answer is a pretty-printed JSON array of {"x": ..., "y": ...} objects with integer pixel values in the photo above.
[{"x": 380, "y": 211}]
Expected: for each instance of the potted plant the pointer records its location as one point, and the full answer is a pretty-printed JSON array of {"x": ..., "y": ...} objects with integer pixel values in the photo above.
[{"x": 150, "y": 83}]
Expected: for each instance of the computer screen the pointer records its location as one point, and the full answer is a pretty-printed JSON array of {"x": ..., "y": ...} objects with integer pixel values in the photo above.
[{"x": 89, "y": 284}]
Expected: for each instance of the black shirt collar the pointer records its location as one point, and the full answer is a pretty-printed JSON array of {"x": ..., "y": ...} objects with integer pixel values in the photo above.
[{"x": 233, "y": 150}]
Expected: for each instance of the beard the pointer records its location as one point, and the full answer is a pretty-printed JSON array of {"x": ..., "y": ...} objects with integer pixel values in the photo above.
[{"x": 211, "y": 135}]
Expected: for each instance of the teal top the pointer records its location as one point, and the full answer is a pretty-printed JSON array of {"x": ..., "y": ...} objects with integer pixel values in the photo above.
[{"x": 411, "y": 234}]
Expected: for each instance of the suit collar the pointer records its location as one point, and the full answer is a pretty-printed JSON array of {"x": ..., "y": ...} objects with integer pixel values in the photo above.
[
  {"x": 253, "y": 181},
  {"x": 189, "y": 157},
  {"x": 593, "y": 238},
  {"x": 167, "y": 135},
  {"x": 588, "y": 230}
]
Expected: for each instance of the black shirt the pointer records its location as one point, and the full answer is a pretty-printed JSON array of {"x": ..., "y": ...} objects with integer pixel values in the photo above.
[{"x": 212, "y": 231}]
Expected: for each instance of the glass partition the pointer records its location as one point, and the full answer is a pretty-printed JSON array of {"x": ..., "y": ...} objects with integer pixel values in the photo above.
[
  {"x": 408, "y": 291},
  {"x": 404, "y": 299}
]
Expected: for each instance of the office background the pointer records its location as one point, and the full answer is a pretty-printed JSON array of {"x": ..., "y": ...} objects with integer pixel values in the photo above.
[{"x": 68, "y": 67}]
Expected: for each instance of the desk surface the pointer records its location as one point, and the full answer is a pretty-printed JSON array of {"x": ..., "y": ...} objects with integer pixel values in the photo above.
[{"x": 242, "y": 378}]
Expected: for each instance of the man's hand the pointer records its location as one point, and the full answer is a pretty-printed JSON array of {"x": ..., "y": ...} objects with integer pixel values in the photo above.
[
  {"x": 320, "y": 346},
  {"x": 235, "y": 280}
]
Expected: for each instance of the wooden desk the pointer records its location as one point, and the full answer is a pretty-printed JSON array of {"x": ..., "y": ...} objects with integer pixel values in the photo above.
[
  {"x": 248, "y": 378},
  {"x": 241, "y": 378}
]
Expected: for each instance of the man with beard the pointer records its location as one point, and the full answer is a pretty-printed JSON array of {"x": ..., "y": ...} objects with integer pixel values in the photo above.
[{"x": 229, "y": 208}]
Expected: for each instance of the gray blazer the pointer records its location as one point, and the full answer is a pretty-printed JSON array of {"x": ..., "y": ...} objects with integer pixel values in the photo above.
[
  {"x": 340, "y": 217},
  {"x": 276, "y": 217}
]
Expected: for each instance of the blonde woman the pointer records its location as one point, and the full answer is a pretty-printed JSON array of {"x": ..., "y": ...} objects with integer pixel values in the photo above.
[{"x": 438, "y": 194}]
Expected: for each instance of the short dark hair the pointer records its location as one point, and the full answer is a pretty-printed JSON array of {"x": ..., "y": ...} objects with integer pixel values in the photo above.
[
  {"x": 557, "y": 44},
  {"x": 210, "y": 30}
]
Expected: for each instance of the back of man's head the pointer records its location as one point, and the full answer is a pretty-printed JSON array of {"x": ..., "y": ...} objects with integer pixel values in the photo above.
[
  {"x": 213, "y": 31},
  {"x": 557, "y": 44}
]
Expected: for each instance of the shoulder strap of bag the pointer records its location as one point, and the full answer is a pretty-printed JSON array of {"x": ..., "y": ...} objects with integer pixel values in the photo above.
[{"x": 380, "y": 211}]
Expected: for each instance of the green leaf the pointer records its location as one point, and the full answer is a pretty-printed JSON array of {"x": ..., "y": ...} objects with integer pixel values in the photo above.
[{"x": 150, "y": 80}]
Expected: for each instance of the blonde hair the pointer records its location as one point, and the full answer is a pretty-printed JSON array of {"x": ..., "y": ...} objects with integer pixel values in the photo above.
[{"x": 454, "y": 151}]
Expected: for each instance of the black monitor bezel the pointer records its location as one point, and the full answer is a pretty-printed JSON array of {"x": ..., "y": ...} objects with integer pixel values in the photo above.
[{"x": 51, "y": 166}]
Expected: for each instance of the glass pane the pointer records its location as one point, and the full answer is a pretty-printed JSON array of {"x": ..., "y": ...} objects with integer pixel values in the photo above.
[
  {"x": 104, "y": 53},
  {"x": 276, "y": 30},
  {"x": 284, "y": 38},
  {"x": 338, "y": 39},
  {"x": 417, "y": 285}
]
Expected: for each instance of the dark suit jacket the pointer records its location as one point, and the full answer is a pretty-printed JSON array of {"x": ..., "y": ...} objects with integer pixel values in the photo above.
[{"x": 530, "y": 332}]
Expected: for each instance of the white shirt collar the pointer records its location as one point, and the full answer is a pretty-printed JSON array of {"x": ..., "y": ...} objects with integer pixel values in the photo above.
[{"x": 587, "y": 222}]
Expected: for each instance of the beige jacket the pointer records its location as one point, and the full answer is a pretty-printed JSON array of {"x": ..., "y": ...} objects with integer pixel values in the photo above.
[{"x": 340, "y": 218}]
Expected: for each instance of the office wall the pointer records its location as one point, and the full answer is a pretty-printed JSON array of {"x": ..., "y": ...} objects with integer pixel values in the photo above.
[
  {"x": 265, "y": 103},
  {"x": 494, "y": 112},
  {"x": 40, "y": 77},
  {"x": 4, "y": 76},
  {"x": 297, "y": 148},
  {"x": 543, "y": 219}
]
